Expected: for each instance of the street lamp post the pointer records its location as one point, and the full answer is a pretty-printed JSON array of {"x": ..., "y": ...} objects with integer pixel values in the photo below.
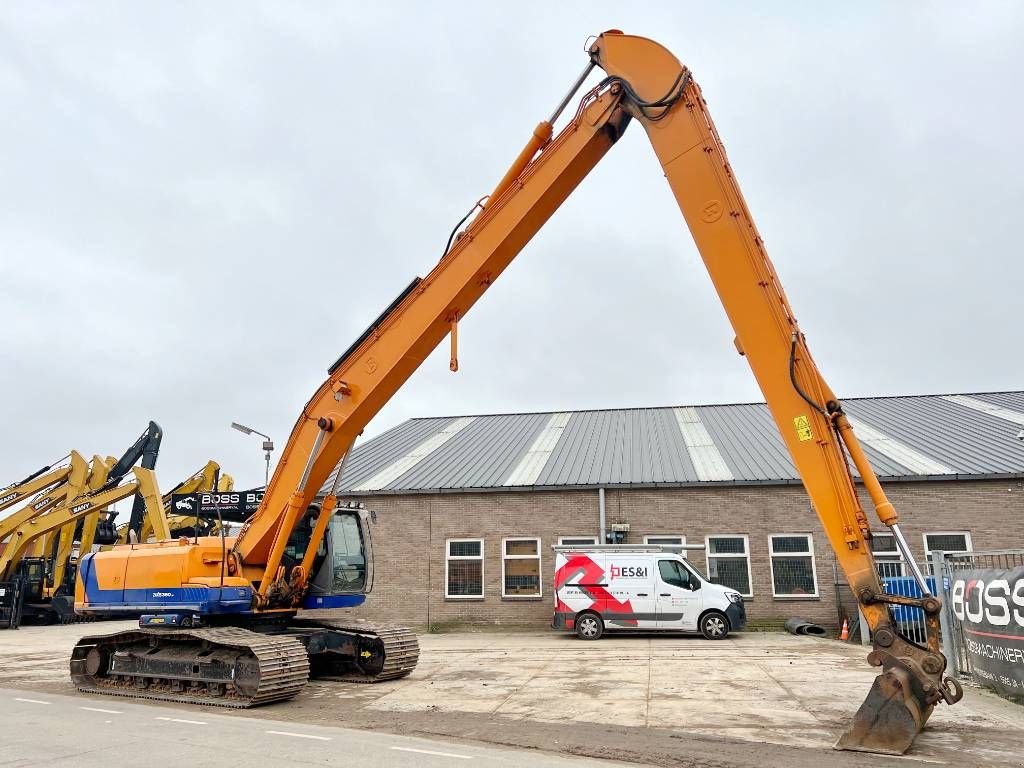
[{"x": 268, "y": 444}]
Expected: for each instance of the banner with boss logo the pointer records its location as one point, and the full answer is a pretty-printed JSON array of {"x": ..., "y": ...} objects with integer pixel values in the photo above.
[
  {"x": 989, "y": 603},
  {"x": 233, "y": 506}
]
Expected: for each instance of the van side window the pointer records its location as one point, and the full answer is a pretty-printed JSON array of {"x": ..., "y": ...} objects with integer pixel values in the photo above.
[{"x": 672, "y": 573}]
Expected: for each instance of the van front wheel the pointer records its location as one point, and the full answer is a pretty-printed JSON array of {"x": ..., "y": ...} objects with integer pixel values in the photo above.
[
  {"x": 589, "y": 626},
  {"x": 714, "y": 625}
]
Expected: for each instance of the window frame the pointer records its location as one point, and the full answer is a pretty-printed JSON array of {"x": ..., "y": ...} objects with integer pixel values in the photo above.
[
  {"x": 540, "y": 567},
  {"x": 810, "y": 553},
  {"x": 928, "y": 552},
  {"x": 448, "y": 557},
  {"x": 895, "y": 556},
  {"x": 593, "y": 541},
  {"x": 682, "y": 541},
  {"x": 746, "y": 556}
]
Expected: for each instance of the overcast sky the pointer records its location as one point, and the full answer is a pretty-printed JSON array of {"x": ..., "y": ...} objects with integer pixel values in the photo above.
[{"x": 202, "y": 205}]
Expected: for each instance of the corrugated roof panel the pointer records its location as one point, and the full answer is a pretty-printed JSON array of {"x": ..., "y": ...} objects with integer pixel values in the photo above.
[
  {"x": 992, "y": 409},
  {"x": 410, "y": 459},
  {"x": 903, "y": 437},
  {"x": 707, "y": 459},
  {"x": 968, "y": 441},
  {"x": 1013, "y": 400},
  {"x": 457, "y": 463},
  {"x": 749, "y": 441},
  {"x": 669, "y": 459},
  {"x": 917, "y": 462},
  {"x": 371, "y": 456},
  {"x": 532, "y": 463}
]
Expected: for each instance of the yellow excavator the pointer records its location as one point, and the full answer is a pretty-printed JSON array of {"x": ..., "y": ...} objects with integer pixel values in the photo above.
[
  {"x": 178, "y": 521},
  {"x": 39, "y": 553},
  {"x": 44, "y": 595},
  {"x": 222, "y": 627}
]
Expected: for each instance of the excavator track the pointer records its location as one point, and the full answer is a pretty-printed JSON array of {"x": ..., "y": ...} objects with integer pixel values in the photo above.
[
  {"x": 387, "y": 652},
  {"x": 219, "y": 666}
]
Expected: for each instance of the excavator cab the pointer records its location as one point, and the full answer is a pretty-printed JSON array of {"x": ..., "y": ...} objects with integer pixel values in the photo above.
[
  {"x": 342, "y": 572},
  {"x": 32, "y": 573}
]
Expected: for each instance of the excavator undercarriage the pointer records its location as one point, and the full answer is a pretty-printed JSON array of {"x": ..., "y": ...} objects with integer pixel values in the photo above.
[{"x": 234, "y": 666}]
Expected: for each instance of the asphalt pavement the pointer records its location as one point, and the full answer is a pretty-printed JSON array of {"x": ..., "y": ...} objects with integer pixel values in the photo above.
[{"x": 47, "y": 729}]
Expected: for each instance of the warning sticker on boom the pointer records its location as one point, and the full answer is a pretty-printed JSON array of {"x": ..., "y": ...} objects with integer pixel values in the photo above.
[{"x": 803, "y": 428}]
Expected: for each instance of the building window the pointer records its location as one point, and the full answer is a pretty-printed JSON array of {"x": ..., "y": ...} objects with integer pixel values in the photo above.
[
  {"x": 729, "y": 562},
  {"x": 792, "y": 565},
  {"x": 577, "y": 541},
  {"x": 671, "y": 541},
  {"x": 888, "y": 560},
  {"x": 464, "y": 568},
  {"x": 520, "y": 568},
  {"x": 946, "y": 541}
]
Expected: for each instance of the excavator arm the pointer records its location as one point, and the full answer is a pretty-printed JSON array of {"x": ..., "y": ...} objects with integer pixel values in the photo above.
[
  {"x": 75, "y": 509},
  {"x": 144, "y": 451},
  {"x": 647, "y": 84},
  {"x": 73, "y": 482},
  {"x": 41, "y": 480}
]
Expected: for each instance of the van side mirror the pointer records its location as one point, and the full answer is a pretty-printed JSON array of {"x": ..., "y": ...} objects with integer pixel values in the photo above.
[{"x": 694, "y": 584}]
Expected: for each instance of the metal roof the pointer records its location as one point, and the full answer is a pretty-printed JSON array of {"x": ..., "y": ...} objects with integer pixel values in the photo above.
[{"x": 960, "y": 436}]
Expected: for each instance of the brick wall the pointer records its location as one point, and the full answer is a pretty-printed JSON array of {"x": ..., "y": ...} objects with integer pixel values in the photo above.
[{"x": 410, "y": 535}]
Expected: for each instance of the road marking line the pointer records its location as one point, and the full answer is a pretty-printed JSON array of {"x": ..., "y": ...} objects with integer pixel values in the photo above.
[
  {"x": 179, "y": 720},
  {"x": 431, "y": 752},
  {"x": 910, "y": 757},
  {"x": 31, "y": 701},
  {"x": 104, "y": 711},
  {"x": 300, "y": 735}
]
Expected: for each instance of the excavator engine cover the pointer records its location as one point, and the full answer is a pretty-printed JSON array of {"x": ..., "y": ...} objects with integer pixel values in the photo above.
[{"x": 890, "y": 718}]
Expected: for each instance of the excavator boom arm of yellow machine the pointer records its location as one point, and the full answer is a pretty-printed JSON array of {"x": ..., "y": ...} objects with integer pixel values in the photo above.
[
  {"x": 76, "y": 508},
  {"x": 42, "y": 480},
  {"x": 646, "y": 83}
]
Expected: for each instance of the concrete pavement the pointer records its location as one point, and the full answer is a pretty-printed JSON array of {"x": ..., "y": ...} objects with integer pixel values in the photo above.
[
  {"x": 618, "y": 698},
  {"x": 48, "y": 729}
]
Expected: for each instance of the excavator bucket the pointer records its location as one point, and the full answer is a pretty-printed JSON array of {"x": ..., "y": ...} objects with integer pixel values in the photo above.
[{"x": 890, "y": 718}]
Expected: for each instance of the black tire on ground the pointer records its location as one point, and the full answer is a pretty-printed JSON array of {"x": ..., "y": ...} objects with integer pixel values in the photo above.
[
  {"x": 714, "y": 625},
  {"x": 589, "y": 626}
]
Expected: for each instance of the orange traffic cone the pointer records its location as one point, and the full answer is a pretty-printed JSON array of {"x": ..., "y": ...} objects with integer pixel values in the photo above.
[{"x": 844, "y": 633}]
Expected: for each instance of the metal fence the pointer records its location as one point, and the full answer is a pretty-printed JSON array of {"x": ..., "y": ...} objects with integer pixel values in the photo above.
[
  {"x": 943, "y": 565},
  {"x": 909, "y": 621}
]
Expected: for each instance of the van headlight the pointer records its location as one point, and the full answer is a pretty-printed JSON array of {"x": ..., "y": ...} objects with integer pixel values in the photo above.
[{"x": 734, "y": 597}]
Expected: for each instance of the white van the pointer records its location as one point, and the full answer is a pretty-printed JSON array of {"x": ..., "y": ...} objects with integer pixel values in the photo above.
[{"x": 649, "y": 587}]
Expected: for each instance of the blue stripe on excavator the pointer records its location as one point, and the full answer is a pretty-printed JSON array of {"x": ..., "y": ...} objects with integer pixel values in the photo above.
[
  {"x": 196, "y": 598},
  {"x": 200, "y": 599},
  {"x": 313, "y": 602}
]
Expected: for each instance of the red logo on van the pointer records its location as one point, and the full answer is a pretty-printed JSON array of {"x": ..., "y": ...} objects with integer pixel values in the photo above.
[{"x": 627, "y": 572}]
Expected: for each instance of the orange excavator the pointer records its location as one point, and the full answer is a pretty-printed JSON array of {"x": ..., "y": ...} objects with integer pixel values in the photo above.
[{"x": 236, "y": 639}]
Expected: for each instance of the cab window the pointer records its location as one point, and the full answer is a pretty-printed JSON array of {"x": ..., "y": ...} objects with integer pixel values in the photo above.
[{"x": 673, "y": 573}]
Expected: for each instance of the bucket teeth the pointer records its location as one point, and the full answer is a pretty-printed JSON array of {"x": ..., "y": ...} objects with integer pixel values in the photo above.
[{"x": 889, "y": 719}]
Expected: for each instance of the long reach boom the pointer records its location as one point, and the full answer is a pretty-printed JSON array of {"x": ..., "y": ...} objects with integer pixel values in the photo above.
[{"x": 645, "y": 83}]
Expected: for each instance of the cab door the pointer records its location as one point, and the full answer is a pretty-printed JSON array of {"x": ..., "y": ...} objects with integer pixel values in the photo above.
[{"x": 678, "y": 596}]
